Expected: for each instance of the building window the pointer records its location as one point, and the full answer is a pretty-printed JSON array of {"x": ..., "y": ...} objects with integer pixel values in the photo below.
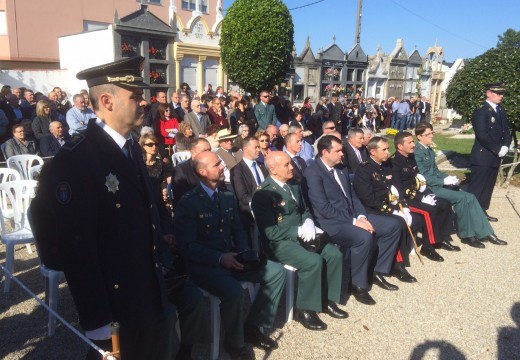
[
  {"x": 3, "y": 23},
  {"x": 298, "y": 92},
  {"x": 156, "y": 2},
  {"x": 350, "y": 74},
  {"x": 130, "y": 46},
  {"x": 191, "y": 5},
  {"x": 359, "y": 75}
]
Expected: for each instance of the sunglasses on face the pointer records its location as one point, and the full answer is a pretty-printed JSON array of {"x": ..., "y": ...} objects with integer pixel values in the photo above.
[{"x": 151, "y": 144}]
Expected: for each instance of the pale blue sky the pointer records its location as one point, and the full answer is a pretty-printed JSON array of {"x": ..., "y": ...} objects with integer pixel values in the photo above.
[{"x": 464, "y": 28}]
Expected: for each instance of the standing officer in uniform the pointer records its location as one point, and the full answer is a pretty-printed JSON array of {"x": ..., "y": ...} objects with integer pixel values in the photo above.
[
  {"x": 210, "y": 235},
  {"x": 472, "y": 225},
  {"x": 373, "y": 184},
  {"x": 282, "y": 218},
  {"x": 110, "y": 228},
  {"x": 407, "y": 180},
  {"x": 492, "y": 139}
]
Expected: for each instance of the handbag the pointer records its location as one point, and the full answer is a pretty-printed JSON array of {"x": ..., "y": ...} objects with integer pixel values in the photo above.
[
  {"x": 251, "y": 260},
  {"x": 317, "y": 244}
]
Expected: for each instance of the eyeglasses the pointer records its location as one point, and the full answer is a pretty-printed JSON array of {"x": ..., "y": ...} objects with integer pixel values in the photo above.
[
  {"x": 264, "y": 140},
  {"x": 151, "y": 144},
  {"x": 428, "y": 134}
]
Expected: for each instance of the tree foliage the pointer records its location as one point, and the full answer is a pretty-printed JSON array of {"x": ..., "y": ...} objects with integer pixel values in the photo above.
[
  {"x": 465, "y": 92},
  {"x": 256, "y": 43},
  {"x": 509, "y": 38}
]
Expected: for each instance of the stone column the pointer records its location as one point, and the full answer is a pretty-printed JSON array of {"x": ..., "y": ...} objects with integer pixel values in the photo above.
[
  {"x": 200, "y": 75},
  {"x": 220, "y": 75},
  {"x": 178, "y": 59}
]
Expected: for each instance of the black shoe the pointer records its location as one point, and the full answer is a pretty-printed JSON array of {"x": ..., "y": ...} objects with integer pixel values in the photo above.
[
  {"x": 310, "y": 320},
  {"x": 255, "y": 337},
  {"x": 490, "y": 218},
  {"x": 473, "y": 242},
  {"x": 184, "y": 352},
  {"x": 402, "y": 274},
  {"x": 445, "y": 245},
  {"x": 431, "y": 254},
  {"x": 362, "y": 295},
  {"x": 242, "y": 353},
  {"x": 334, "y": 311},
  {"x": 494, "y": 240},
  {"x": 380, "y": 281}
]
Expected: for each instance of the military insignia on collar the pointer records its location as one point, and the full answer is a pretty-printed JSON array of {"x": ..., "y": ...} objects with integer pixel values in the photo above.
[
  {"x": 63, "y": 193},
  {"x": 493, "y": 119},
  {"x": 280, "y": 218},
  {"x": 282, "y": 203},
  {"x": 112, "y": 183}
]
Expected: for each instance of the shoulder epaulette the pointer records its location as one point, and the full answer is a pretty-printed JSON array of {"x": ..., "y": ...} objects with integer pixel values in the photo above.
[{"x": 73, "y": 142}]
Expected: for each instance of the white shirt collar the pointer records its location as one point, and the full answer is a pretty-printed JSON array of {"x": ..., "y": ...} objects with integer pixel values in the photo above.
[
  {"x": 492, "y": 104},
  {"x": 281, "y": 184},
  {"x": 118, "y": 138}
]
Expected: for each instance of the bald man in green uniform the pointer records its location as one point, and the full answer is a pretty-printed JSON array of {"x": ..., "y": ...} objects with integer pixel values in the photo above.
[
  {"x": 282, "y": 218},
  {"x": 472, "y": 224}
]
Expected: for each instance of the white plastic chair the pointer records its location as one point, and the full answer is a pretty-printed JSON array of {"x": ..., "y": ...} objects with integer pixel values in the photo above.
[
  {"x": 23, "y": 163},
  {"x": 214, "y": 305},
  {"x": 5, "y": 176},
  {"x": 180, "y": 156},
  {"x": 19, "y": 194},
  {"x": 52, "y": 284}
]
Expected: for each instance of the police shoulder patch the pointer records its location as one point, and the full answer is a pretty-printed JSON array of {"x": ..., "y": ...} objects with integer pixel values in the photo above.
[{"x": 63, "y": 193}]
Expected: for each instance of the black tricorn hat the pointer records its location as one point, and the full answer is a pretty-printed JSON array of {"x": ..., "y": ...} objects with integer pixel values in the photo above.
[
  {"x": 496, "y": 88},
  {"x": 126, "y": 73}
]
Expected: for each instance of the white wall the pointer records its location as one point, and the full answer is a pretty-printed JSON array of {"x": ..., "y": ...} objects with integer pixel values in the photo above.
[
  {"x": 82, "y": 51},
  {"x": 36, "y": 80}
]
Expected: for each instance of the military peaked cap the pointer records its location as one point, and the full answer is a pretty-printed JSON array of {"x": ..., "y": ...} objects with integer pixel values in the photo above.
[
  {"x": 496, "y": 88},
  {"x": 126, "y": 73}
]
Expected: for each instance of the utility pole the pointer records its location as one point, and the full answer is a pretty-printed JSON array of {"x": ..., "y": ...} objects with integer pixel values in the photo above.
[{"x": 358, "y": 22}]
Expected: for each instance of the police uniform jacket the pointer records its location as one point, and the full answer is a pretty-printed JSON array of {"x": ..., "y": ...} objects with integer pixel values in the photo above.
[
  {"x": 372, "y": 184},
  {"x": 491, "y": 133},
  {"x": 206, "y": 231},
  {"x": 404, "y": 176},
  {"x": 109, "y": 230},
  {"x": 425, "y": 159}
]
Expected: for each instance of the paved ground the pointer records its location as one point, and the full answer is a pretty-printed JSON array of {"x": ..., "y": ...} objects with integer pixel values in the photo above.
[{"x": 465, "y": 308}]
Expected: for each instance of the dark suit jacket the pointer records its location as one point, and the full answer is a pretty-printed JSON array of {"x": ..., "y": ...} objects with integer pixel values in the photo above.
[
  {"x": 244, "y": 184},
  {"x": 491, "y": 133},
  {"x": 298, "y": 168},
  {"x": 49, "y": 145},
  {"x": 184, "y": 179},
  {"x": 352, "y": 160},
  {"x": 329, "y": 204},
  {"x": 110, "y": 256}
]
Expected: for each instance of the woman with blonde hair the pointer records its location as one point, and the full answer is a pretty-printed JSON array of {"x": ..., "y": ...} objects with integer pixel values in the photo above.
[{"x": 44, "y": 117}]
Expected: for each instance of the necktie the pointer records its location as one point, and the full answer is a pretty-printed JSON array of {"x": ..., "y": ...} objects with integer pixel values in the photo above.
[
  {"x": 297, "y": 162},
  {"x": 128, "y": 149},
  {"x": 216, "y": 199},
  {"x": 349, "y": 207},
  {"x": 288, "y": 189},
  {"x": 257, "y": 174}
]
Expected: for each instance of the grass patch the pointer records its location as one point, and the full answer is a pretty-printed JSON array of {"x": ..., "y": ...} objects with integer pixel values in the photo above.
[{"x": 444, "y": 143}]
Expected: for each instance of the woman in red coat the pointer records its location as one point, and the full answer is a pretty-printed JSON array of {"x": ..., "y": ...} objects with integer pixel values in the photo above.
[{"x": 168, "y": 126}]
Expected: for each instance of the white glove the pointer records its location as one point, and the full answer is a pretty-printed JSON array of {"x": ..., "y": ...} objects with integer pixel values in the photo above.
[
  {"x": 422, "y": 181},
  {"x": 102, "y": 333},
  {"x": 174, "y": 131},
  {"x": 407, "y": 216},
  {"x": 503, "y": 151},
  {"x": 429, "y": 199},
  {"x": 394, "y": 192},
  {"x": 307, "y": 231},
  {"x": 398, "y": 213},
  {"x": 455, "y": 180},
  {"x": 318, "y": 230},
  {"x": 447, "y": 180},
  {"x": 451, "y": 180}
]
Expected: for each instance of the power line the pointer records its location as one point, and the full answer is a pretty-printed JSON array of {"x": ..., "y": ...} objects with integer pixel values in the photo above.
[
  {"x": 437, "y": 26},
  {"x": 302, "y": 6}
]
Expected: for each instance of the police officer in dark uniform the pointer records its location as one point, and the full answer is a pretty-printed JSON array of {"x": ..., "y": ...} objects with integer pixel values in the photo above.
[
  {"x": 210, "y": 235},
  {"x": 373, "y": 184},
  {"x": 492, "y": 140},
  {"x": 110, "y": 224},
  {"x": 408, "y": 181}
]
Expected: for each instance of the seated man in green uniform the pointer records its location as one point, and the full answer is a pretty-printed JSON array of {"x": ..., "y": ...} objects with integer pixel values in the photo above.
[
  {"x": 210, "y": 235},
  {"x": 282, "y": 218},
  {"x": 472, "y": 224}
]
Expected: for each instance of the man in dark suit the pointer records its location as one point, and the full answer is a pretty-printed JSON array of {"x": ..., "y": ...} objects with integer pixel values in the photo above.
[
  {"x": 356, "y": 151},
  {"x": 293, "y": 145},
  {"x": 50, "y": 144},
  {"x": 424, "y": 108},
  {"x": 111, "y": 257},
  {"x": 210, "y": 236},
  {"x": 339, "y": 212},
  {"x": 335, "y": 111},
  {"x": 184, "y": 177},
  {"x": 246, "y": 176},
  {"x": 492, "y": 140},
  {"x": 265, "y": 112},
  {"x": 175, "y": 107},
  {"x": 284, "y": 220}
]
